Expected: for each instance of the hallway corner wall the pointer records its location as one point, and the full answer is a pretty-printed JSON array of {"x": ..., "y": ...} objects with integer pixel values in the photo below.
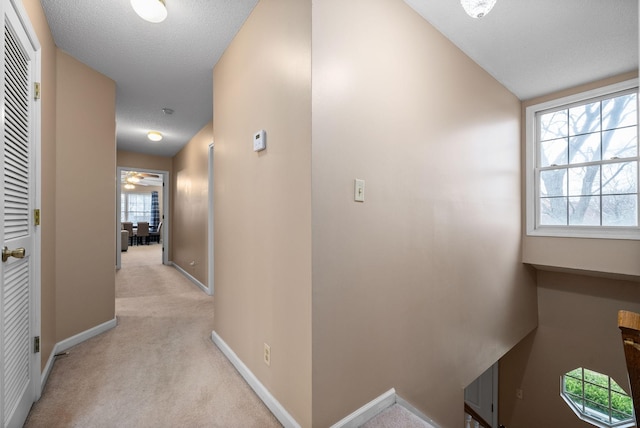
[
  {"x": 85, "y": 197},
  {"x": 190, "y": 185}
]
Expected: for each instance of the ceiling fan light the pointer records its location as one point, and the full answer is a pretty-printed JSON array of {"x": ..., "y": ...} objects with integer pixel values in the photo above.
[
  {"x": 477, "y": 8},
  {"x": 150, "y": 10},
  {"x": 154, "y": 135},
  {"x": 129, "y": 186}
]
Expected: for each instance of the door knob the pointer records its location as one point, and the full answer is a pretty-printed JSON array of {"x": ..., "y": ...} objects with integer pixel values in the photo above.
[{"x": 18, "y": 253}]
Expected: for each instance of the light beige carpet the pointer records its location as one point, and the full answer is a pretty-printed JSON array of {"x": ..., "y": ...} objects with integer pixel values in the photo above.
[
  {"x": 157, "y": 368},
  {"x": 396, "y": 416}
]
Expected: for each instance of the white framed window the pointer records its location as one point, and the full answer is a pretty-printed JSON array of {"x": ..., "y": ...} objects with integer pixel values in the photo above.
[
  {"x": 597, "y": 398},
  {"x": 582, "y": 165},
  {"x": 135, "y": 207}
]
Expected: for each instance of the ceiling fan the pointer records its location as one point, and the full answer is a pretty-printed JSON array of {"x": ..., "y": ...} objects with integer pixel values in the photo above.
[{"x": 132, "y": 178}]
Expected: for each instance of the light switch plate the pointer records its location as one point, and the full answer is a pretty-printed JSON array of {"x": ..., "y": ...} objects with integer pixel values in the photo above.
[
  {"x": 259, "y": 141},
  {"x": 359, "y": 190}
]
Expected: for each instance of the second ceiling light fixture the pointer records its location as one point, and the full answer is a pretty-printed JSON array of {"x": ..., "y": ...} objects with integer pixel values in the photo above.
[
  {"x": 150, "y": 10},
  {"x": 475, "y": 8}
]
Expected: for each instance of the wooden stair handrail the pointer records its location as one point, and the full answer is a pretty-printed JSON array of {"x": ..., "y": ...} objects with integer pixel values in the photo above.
[
  {"x": 629, "y": 324},
  {"x": 476, "y": 417}
]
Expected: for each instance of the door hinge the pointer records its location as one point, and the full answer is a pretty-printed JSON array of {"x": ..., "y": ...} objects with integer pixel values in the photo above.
[
  {"x": 36, "y": 90},
  {"x": 36, "y": 217},
  {"x": 36, "y": 344}
]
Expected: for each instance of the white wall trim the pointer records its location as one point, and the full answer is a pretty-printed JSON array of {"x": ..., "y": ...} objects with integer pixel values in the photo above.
[
  {"x": 191, "y": 278},
  {"x": 263, "y": 393},
  {"x": 73, "y": 341},
  {"x": 376, "y": 406},
  {"x": 368, "y": 411},
  {"x": 44, "y": 376}
]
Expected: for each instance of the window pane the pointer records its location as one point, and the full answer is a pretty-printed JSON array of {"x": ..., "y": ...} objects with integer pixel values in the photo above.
[
  {"x": 597, "y": 378},
  {"x": 554, "y": 125},
  {"x": 618, "y": 178},
  {"x": 620, "y": 111},
  {"x": 596, "y": 395},
  {"x": 584, "y": 119},
  {"x": 553, "y": 182},
  {"x": 577, "y": 373},
  {"x": 584, "y": 148},
  {"x": 553, "y": 211},
  {"x": 616, "y": 387},
  {"x": 584, "y": 181},
  {"x": 620, "y": 143},
  {"x": 573, "y": 386},
  {"x": 622, "y": 403},
  {"x": 619, "y": 416},
  {"x": 553, "y": 152},
  {"x": 620, "y": 210},
  {"x": 584, "y": 211}
]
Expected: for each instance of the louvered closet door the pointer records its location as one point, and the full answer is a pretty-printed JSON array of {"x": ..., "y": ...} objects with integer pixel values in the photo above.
[{"x": 18, "y": 230}]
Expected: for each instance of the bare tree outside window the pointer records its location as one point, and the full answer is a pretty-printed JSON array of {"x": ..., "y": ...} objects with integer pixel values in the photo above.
[{"x": 588, "y": 163}]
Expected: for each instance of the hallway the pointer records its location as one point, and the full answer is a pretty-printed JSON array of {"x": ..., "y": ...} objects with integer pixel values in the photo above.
[{"x": 157, "y": 368}]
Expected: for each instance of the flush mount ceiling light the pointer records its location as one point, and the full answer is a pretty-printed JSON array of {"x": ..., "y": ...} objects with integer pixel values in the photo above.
[
  {"x": 150, "y": 10},
  {"x": 154, "y": 135},
  {"x": 476, "y": 8}
]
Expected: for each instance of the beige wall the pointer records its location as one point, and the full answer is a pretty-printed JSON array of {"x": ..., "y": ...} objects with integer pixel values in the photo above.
[
  {"x": 48, "y": 201},
  {"x": 143, "y": 161},
  {"x": 610, "y": 256},
  {"x": 85, "y": 220},
  {"x": 421, "y": 286},
  {"x": 577, "y": 328},
  {"x": 263, "y": 200},
  {"x": 191, "y": 205}
]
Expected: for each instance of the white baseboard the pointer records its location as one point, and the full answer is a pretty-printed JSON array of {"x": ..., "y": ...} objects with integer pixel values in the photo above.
[
  {"x": 377, "y": 405},
  {"x": 368, "y": 411},
  {"x": 73, "y": 341},
  {"x": 44, "y": 376},
  {"x": 191, "y": 278},
  {"x": 263, "y": 393}
]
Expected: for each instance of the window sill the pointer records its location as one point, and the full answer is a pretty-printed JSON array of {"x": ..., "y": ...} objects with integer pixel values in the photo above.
[
  {"x": 587, "y": 232},
  {"x": 608, "y": 257}
]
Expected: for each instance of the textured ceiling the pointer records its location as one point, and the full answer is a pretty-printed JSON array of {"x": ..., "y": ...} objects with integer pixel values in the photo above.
[
  {"x": 535, "y": 47},
  {"x": 169, "y": 64}
]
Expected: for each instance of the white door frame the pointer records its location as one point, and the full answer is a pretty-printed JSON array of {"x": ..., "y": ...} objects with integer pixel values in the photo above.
[
  {"x": 210, "y": 267},
  {"x": 15, "y": 8},
  {"x": 164, "y": 238}
]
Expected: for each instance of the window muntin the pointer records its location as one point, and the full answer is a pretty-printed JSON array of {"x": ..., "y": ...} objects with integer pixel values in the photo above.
[
  {"x": 597, "y": 398},
  {"x": 582, "y": 165}
]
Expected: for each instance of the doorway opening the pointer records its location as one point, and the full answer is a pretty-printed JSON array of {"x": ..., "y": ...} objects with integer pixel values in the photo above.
[
  {"x": 481, "y": 398},
  {"x": 142, "y": 197}
]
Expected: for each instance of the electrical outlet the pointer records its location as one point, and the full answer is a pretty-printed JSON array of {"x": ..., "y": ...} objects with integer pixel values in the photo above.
[{"x": 267, "y": 355}]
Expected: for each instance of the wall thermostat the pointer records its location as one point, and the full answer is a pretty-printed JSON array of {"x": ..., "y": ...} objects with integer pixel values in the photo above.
[{"x": 260, "y": 141}]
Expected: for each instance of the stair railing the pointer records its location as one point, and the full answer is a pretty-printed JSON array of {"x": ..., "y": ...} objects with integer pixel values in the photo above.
[{"x": 472, "y": 419}]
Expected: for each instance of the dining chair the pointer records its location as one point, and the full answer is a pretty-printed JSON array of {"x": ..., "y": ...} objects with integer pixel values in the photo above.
[
  {"x": 143, "y": 232},
  {"x": 155, "y": 235}
]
